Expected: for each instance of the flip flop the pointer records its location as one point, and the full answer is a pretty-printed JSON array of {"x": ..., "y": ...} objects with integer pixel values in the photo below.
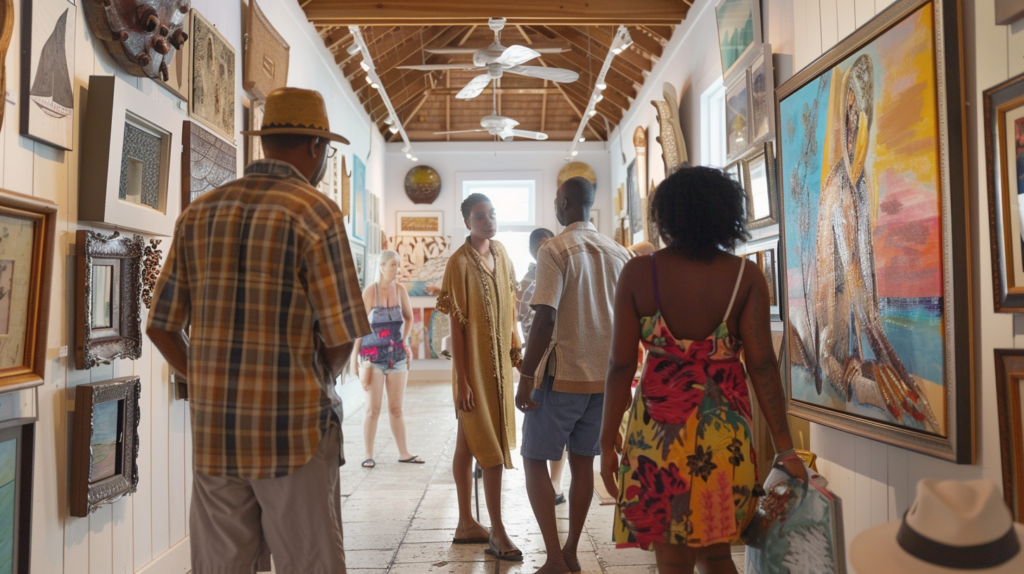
[
  {"x": 515, "y": 555},
  {"x": 369, "y": 463},
  {"x": 414, "y": 459},
  {"x": 470, "y": 540},
  {"x": 559, "y": 498}
]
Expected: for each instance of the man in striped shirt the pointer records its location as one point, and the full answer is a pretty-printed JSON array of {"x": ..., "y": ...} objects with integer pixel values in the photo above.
[{"x": 261, "y": 274}]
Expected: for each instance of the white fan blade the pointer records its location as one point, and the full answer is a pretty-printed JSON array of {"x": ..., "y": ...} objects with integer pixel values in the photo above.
[
  {"x": 554, "y": 74},
  {"x": 435, "y": 67},
  {"x": 528, "y": 134},
  {"x": 457, "y": 50},
  {"x": 457, "y": 132},
  {"x": 516, "y": 55},
  {"x": 474, "y": 88}
]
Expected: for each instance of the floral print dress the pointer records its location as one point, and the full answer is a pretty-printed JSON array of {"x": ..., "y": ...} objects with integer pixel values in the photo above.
[{"x": 688, "y": 473}]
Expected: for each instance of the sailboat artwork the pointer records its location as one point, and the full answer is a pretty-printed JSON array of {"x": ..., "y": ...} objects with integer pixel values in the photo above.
[
  {"x": 46, "y": 81},
  {"x": 51, "y": 90}
]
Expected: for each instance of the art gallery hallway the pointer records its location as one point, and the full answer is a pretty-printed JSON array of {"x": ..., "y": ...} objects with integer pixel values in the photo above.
[{"x": 400, "y": 518}]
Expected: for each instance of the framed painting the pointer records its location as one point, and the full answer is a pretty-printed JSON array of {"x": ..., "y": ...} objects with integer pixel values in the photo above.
[
  {"x": 212, "y": 97},
  {"x": 1004, "y": 152},
  {"x": 359, "y": 209},
  {"x": 108, "y": 295},
  {"x": 253, "y": 144},
  {"x": 419, "y": 223},
  {"x": 17, "y": 449},
  {"x": 421, "y": 262},
  {"x": 207, "y": 162},
  {"x": 636, "y": 214},
  {"x": 129, "y": 170},
  {"x": 762, "y": 89},
  {"x": 737, "y": 117},
  {"x": 874, "y": 227},
  {"x": 1010, "y": 408},
  {"x": 105, "y": 444},
  {"x": 47, "y": 61},
  {"x": 28, "y": 229},
  {"x": 179, "y": 74},
  {"x": 739, "y": 33},
  {"x": 765, "y": 254},
  {"x": 762, "y": 194}
]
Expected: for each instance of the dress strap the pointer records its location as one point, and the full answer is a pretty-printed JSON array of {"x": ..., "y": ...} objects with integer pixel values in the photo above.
[
  {"x": 735, "y": 290},
  {"x": 654, "y": 274}
]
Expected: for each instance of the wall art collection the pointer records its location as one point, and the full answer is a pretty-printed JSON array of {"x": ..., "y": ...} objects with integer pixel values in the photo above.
[{"x": 874, "y": 213}]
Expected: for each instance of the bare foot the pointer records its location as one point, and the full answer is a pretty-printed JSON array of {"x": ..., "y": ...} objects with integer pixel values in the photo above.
[
  {"x": 502, "y": 542},
  {"x": 554, "y": 568},
  {"x": 571, "y": 562},
  {"x": 472, "y": 529}
]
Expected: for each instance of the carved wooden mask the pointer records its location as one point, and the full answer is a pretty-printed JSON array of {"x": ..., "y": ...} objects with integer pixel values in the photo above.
[{"x": 142, "y": 35}]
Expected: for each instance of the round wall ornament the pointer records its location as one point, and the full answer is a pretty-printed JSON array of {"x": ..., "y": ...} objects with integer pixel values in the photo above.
[
  {"x": 422, "y": 184},
  {"x": 576, "y": 168}
]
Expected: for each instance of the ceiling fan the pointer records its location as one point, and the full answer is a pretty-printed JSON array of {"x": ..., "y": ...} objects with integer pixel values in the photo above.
[
  {"x": 500, "y": 126},
  {"x": 495, "y": 60}
]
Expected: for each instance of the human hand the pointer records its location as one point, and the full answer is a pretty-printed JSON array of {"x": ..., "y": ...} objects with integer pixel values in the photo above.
[
  {"x": 523, "y": 400},
  {"x": 465, "y": 402},
  {"x": 610, "y": 470}
]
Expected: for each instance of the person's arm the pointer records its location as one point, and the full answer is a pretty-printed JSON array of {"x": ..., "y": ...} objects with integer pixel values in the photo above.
[
  {"x": 358, "y": 345},
  {"x": 540, "y": 338},
  {"x": 621, "y": 369},
  {"x": 465, "y": 401},
  {"x": 763, "y": 368},
  {"x": 173, "y": 345}
]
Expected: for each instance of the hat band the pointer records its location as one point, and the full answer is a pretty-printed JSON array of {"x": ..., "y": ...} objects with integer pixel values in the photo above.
[
  {"x": 988, "y": 555},
  {"x": 291, "y": 126}
]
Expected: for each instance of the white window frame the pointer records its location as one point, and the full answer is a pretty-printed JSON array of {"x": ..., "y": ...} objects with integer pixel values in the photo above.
[
  {"x": 531, "y": 178},
  {"x": 712, "y": 125}
]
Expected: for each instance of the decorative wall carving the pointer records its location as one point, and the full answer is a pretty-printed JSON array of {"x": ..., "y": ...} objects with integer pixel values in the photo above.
[{"x": 141, "y": 35}]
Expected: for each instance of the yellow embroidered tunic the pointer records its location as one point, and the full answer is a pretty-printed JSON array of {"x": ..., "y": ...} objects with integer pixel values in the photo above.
[{"x": 484, "y": 303}]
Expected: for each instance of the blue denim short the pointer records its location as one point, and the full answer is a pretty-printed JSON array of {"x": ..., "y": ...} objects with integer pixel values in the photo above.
[
  {"x": 399, "y": 367},
  {"x": 560, "y": 420}
]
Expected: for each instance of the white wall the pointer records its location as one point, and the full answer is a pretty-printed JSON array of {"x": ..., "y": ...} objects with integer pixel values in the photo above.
[{"x": 149, "y": 530}]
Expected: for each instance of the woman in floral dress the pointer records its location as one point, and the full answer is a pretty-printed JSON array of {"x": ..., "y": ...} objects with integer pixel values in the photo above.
[{"x": 686, "y": 481}]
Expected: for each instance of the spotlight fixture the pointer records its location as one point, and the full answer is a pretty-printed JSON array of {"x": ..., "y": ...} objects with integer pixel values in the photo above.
[
  {"x": 395, "y": 126},
  {"x": 364, "y": 66},
  {"x": 620, "y": 42},
  {"x": 574, "y": 152},
  {"x": 353, "y": 49}
]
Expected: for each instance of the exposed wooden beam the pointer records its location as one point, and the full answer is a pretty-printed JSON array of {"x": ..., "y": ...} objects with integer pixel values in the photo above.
[
  {"x": 662, "y": 32},
  {"x": 619, "y": 91},
  {"x": 646, "y": 43},
  {"x": 448, "y": 105},
  {"x": 436, "y": 12},
  {"x": 631, "y": 73}
]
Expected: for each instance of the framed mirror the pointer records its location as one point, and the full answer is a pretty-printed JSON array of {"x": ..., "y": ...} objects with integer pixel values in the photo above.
[{"x": 108, "y": 292}]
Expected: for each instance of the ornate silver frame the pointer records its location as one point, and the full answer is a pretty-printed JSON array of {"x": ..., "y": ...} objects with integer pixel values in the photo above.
[
  {"x": 958, "y": 445},
  {"x": 86, "y": 497},
  {"x": 766, "y": 151},
  {"x": 124, "y": 339}
]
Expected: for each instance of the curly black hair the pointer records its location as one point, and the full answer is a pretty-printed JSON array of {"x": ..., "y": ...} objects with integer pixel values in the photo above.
[
  {"x": 700, "y": 211},
  {"x": 469, "y": 202}
]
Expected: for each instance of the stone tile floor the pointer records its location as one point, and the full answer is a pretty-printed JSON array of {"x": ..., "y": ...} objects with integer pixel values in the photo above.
[{"x": 400, "y": 518}]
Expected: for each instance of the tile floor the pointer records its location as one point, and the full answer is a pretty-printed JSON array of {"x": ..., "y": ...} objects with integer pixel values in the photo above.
[{"x": 400, "y": 518}]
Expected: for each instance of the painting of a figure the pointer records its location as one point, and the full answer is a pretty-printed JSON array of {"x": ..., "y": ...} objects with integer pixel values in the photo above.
[{"x": 863, "y": 236}]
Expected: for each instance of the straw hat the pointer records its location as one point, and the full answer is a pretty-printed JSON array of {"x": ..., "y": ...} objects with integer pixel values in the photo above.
[
  {"x": 296, "y": 111},
  {"x": 951, "y": 527}
]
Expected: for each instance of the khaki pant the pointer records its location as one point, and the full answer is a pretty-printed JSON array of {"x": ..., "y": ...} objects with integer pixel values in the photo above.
[{"x": 298, "y": 516}]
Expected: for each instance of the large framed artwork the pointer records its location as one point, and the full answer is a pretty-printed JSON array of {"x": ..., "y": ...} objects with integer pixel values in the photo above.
[
  {"x": 207, "y": 162},
  {"x": 48, "y": 58},
  {"x": 739, "y": 33},
  {"x": 128, "y": 170},
  {"x": 17, "y": 449},
  {"x": 876, "y": 247},
  {"x": 105, "y": 444},
  {"x": 108, "y": 295},
  {"x": 28, "y": 229},
  {"x": 421, "y": 263},
  {"x": 419, "y": 223},
  {"x": 1004, "y": 153},
  {"x": 1009, "y": 397},
  {"x": 212, "y": 100}
]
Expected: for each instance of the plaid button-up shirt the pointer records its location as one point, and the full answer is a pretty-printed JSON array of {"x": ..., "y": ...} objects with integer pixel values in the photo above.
[{"x": 261, "y": 272}]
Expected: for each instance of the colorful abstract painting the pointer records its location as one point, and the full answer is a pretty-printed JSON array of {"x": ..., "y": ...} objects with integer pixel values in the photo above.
[
  {"x": 421, "y": 263},
  {"x": 863, "y": 232}
]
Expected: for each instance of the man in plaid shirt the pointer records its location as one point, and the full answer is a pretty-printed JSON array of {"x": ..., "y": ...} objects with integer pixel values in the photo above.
[{"x": 261, "y": 274}]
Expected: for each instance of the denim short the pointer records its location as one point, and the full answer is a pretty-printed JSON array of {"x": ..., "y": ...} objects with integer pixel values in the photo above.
[
  {"x": 399, "y": 367},
  {"x": 560, "y": 420}
]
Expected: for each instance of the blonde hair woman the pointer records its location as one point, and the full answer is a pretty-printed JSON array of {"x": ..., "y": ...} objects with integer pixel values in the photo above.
[{"x": 384, "y": 358}]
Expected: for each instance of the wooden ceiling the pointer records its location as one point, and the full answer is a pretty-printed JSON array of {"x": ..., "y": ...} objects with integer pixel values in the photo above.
[{"x": 397, "y": 34}]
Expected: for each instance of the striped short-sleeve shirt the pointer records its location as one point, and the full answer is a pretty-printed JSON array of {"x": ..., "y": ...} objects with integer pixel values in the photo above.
[{"x": 260, "y": 271}]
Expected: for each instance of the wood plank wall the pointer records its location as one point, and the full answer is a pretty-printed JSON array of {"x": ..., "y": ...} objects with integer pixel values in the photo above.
[{"x": 877, "y": 482}]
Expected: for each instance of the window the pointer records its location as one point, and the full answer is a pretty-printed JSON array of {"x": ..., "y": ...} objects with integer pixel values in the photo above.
[
  {"x": 712, "y": 125},
  {"x": 515, "y": 205}
]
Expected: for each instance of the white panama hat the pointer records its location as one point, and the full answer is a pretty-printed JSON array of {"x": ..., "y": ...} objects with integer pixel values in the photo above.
[{"x": 952, "y": 527}]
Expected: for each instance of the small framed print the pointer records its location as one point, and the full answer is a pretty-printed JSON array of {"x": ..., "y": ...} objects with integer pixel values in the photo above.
[
  {"x": 420, "y": 223},
  {"x": 1009, "y": 396},
  {"x": 105, "y": 444},
  {"x": 108, "y": 296},
  {"x": 737, "y": 117},
  {"x": 765, "y": 254},
  {"x": 739, "y": 33},
  {"x": 762, "y": 195},
  {"x": 762, "y": 100},
  {"x": 1004, "y": 150}
]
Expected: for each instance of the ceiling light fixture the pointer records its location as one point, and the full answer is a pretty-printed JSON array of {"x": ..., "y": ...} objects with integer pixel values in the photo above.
[
  {"x": 620, "y": 42},
  {"x": 359, "y": 46}
]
